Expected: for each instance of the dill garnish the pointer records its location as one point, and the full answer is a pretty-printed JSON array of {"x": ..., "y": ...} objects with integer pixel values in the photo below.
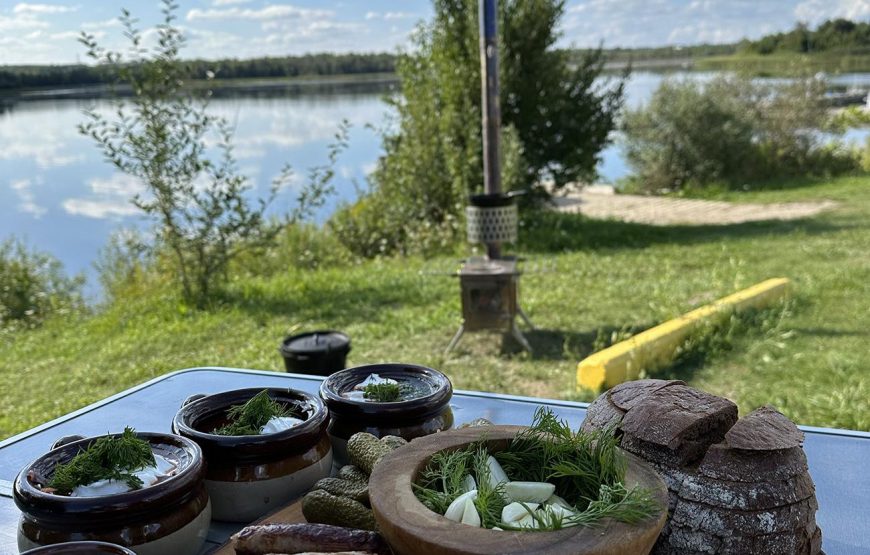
[
  {"x": 382, "y": 392},
  {"x": 112, "y": 458},
  {"x": 586, "y": 468},
  {"x": 249, "y": 418}
]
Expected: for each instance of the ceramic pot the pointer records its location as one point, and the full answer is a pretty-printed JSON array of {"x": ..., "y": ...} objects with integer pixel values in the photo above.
[
  {"x": 249, "y": 476},
  {"x": 416, "y": 417},
  {"x": 80, "y": 548},
  {"x": 171, "y": 516},
  {"x": 411, "y": 528}
]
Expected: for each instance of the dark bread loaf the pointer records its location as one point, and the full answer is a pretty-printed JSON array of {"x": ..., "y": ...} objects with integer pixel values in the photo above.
[{"x": 735, "y": 486}]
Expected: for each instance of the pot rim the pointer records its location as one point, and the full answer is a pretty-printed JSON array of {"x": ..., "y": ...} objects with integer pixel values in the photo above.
[
  {"x": 341, "y": 381},
  {"x": 78, "y": 547},
  {"x": 175, "y": 489},
  {"x": 286, "y": 350},
  {"x": 293, "y": 439}
]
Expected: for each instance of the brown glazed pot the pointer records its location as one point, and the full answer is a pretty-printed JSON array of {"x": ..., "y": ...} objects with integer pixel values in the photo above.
[
  {"x": 417, "y": 417},
  {"x": 171, "y": 516},
  {"x": 80, "y": 548},
  {"x": 249, "y": 476}
]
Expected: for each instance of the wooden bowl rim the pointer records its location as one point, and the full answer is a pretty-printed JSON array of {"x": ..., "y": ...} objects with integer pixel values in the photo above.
[{"x": 401, "y": 516}]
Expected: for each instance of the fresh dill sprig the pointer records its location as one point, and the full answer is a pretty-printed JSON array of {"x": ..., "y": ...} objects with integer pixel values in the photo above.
[
  {"x": 442, "y": 479},
  {"x": 577, "y": 463},
  {"x": 490, "y": 498},
  {"x": 587, "y": 469},
  {"x": 382, "y": 392},
  {"x": 249, "y": 418},
  {"x": 112, "y": 458}
]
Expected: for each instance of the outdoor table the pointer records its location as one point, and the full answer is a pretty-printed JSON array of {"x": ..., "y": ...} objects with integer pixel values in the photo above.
[{"x": 837, "y": 458}]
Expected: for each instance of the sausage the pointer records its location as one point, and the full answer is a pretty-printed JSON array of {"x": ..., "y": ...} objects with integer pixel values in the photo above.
[{"x": 305, "y": 537}]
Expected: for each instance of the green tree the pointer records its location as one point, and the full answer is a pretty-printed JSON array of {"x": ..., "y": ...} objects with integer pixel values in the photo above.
[
  {"x": 161, "y": 136},
  {"x": 556, "y": 121}
]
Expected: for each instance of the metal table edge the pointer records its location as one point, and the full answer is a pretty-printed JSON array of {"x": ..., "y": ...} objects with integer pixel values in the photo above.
[{"x": 502, "y": 396}]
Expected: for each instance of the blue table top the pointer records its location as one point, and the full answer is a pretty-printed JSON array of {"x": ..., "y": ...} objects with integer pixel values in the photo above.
[{"x": 836, "y": 457}]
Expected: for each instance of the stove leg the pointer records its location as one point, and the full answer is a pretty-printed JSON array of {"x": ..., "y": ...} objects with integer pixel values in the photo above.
[
  {"x": 526, "y": 319},
  {"x": 521, "y": 339},
  {"x": 455, "y": 340}
]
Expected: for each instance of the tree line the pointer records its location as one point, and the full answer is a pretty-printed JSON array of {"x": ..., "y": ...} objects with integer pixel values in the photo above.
[
  {"x": 22, "y": 77},
  {"x": 832, "y": 35}
]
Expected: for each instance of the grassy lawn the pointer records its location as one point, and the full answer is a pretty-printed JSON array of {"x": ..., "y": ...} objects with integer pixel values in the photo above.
[{"x": 588, "y": 283}]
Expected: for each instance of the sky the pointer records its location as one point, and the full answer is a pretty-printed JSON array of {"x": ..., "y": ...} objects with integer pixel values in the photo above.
[{"x": 46, "y": 32}]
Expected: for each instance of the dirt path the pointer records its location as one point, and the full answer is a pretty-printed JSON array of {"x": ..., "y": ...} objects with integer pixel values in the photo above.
[{"x": 600, "y": 202}]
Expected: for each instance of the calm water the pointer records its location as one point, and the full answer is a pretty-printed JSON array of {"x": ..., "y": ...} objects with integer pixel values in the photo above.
[{"x": 58, "y": 194}]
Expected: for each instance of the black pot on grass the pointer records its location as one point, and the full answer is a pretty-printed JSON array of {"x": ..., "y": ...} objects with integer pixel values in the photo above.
[{"x": 319, "y": 353}]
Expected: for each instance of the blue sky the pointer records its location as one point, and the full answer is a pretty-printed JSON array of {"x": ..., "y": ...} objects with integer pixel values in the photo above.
[{"x": 45, "y": 32}]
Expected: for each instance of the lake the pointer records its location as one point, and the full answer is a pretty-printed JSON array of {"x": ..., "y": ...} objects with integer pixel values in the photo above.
[{"x": 58, "y": 194}]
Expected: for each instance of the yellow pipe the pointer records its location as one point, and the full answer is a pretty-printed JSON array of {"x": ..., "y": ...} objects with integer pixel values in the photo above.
[{"x": 657, "y": 346}]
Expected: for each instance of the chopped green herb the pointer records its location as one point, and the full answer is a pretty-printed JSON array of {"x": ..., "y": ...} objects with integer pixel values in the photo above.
[
  {"x": 112, "y": 458},
  {"x": 249, "y": 418},
  {"x": 382, "y": 392},
  {"x": 586, "y": 468}
]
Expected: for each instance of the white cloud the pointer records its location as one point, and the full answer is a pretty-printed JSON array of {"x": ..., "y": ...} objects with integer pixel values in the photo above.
[
  {"x": 99, "y": 209},
  {"x": 269, "y": 13},
  {"x": 21, "y": 22},
  {"x": 25, "y": 8},
  {"x": 27, "y": 200},
  {"x": 635, "y": 23},
  {"x": 817, "y": 11},
  {"x": 104, "y": 24},
  {"x": 111, "y": 198},
  {"x": 389, "y": 16},
  {"x": 71, "y": 35}
]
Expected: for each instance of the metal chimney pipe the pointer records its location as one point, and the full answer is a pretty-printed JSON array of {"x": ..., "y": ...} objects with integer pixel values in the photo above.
[{"x": 488, "y": 18}]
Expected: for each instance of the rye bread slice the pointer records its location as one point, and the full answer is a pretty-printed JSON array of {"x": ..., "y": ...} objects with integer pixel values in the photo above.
[
  {"x": 683, "y": 540},
  {"x": 687, "y": 453},
  {"x": 723, "y": 463},
  {"x": 601, "y": 414},
  {"x": 673, "y": 415},
  {"x": 746, "y": 496},
  {"x": 796, "y": 542},
  {"x": 725, "y": 522},
  {"x": 626, "y": 395},
  {"x": 764, "y": 429}
]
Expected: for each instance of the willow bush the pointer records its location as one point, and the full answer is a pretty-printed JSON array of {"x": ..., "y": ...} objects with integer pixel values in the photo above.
[
  {"x": 731, "y": 130},
  {"x": 33, "y": 286}
]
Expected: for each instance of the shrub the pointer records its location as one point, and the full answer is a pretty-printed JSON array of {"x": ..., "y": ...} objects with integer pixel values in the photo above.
[
  {"x": 33, "y": 286},
  {"x": 731, "y": 130}
]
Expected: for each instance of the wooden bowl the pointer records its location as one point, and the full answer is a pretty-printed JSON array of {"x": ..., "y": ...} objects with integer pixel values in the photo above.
[{"x": 411, "y": 528}]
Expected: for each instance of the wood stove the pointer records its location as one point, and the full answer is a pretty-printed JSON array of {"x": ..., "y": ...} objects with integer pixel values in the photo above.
[
  {"x": 490, "y": 298},
  {"x": 490, "y": 285}
]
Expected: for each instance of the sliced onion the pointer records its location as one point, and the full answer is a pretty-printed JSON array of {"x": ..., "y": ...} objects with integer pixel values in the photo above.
[
  {"x": 468, "y": 484},
  {"x": 529, "y": 492},
  {"x": 457, "y": 507},
  {"x": 496, "y": 472},
  {"x": 470, "y": 516},
  {"x": 515, "y": 511}
]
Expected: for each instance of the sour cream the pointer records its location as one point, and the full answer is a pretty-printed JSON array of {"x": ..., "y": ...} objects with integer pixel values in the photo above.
[
  {"x": 279, "y": 424},
  {"x": 149, "y": 475}
]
